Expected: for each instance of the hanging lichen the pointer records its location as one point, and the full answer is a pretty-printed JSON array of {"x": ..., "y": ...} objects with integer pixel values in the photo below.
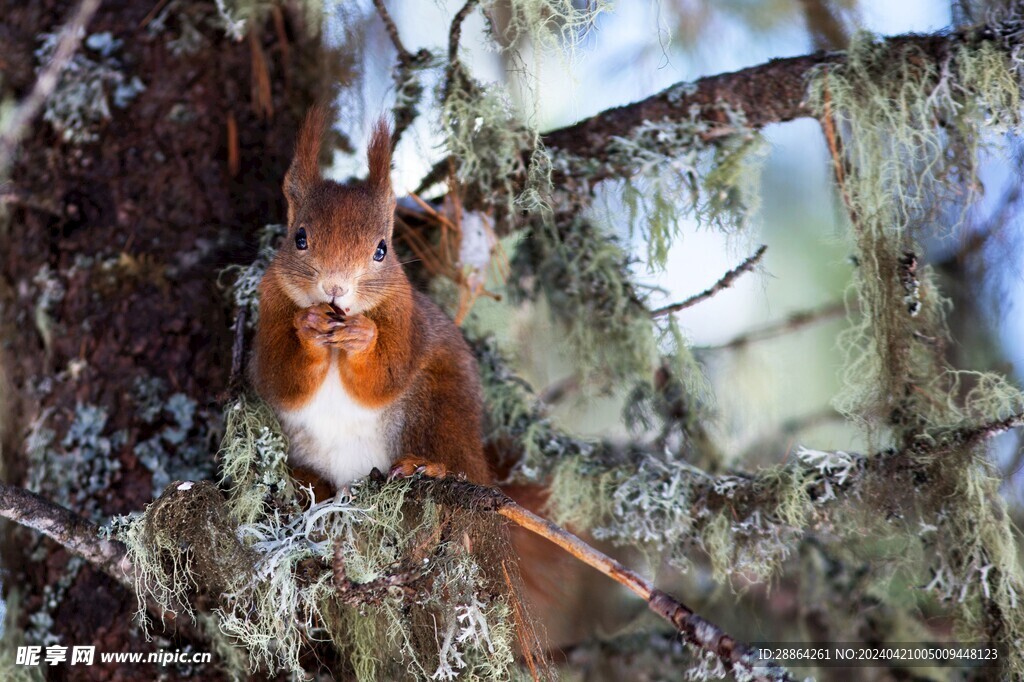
[
  {"x": 547, "y": 24},
  {"x": 677, "y": 169},
  {"x": 905, "y": 132},
  {"x": 583, "y": 273}
]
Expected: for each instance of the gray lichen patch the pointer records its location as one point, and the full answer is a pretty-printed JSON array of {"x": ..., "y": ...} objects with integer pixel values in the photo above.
[
  {"x": 242, "y": 281},
  {"x": 180, "y": 448},
  {"x": 92, "y": 84},
  {"x": 77, "y": 470}
]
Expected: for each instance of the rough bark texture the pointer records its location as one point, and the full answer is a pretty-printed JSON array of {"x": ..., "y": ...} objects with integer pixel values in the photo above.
[{"x": 154, "y": 199}]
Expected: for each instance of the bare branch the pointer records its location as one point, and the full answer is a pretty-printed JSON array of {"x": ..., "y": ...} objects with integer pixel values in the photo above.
[
  {"x": 692, "y": 627},
  {"x": 454, "y": 37},
  {"x": 773, "y": 92},
  {"x": 66, "y": 528},
  {"x": 725, "y": 282},
  {"x": 389, "y": 25},
  {"x": 70, "y": 38},
  {"x": 794, "y": 322}
]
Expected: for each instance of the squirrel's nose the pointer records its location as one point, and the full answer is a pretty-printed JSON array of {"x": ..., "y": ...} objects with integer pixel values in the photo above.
[{"x": 333, "y": 289}]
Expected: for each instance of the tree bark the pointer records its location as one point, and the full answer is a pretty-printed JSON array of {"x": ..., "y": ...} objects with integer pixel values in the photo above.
[{"x": 134, "y": 228}]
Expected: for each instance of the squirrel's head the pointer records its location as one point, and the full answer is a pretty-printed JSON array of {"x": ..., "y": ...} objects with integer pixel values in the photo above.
[{"x": 338, "y": 246}]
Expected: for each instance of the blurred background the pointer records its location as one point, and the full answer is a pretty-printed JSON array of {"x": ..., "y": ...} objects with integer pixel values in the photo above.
[{"x": 639, "y": 48}]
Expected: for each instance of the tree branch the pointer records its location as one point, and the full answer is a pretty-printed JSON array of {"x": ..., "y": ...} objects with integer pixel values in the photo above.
[
  {"x": 773, "y": 92},
  {"x": 725, "y": 282},
  {"x": 82, "y": 537},
  {"x": 66, "y": 528},
  {"x": 70, "y": 38},
  {"x": 454, "y": 38},
  {"x": 389, "y": 25},
  {"x": 696, "y": 630},
  {"x": 794, "y": 322}
]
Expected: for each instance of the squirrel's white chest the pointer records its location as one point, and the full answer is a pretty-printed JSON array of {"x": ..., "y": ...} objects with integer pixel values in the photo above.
[{"x": 335, "y": 436}]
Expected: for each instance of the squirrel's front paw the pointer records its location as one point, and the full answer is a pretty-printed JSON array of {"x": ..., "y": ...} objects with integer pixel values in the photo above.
[
  {"x": 356, "y": 334},
  {"x": 317, "y": 323}
]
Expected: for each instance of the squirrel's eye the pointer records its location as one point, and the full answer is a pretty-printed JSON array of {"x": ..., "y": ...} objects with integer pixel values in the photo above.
[
  {"x": 382, "y": 250},
  {"x": 300, "y": 239}
]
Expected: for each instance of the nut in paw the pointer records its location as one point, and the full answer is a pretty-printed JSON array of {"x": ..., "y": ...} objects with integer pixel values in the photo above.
[
  {"x": 357, "y": 334},
  {"x": 315, "y": 323}
]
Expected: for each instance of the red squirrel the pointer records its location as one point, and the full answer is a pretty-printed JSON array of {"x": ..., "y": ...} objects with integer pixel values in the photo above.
[{"x": 363, "y": 371}]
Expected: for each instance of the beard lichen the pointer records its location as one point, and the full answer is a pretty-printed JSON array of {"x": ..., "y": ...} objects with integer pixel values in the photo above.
[
  {"x": 485, "y": 138},
  {"x": 584, "y": 275},
  {"x": 906, "y": 131},
  {"x": 390, "y": 581},
  {"x": 656, "y": 501},
  {"x": 547, "y": 24},
  {"x": 688, "y": 168}
]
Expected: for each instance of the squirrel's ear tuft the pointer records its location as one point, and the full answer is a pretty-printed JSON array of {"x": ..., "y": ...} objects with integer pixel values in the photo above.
[
  {"x": 305, "y": 169},
  {"x": 379, "y": 156}
]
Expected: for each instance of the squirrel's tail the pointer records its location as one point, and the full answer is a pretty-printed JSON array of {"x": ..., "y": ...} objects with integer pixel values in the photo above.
[{"x": 566, "y": 600}]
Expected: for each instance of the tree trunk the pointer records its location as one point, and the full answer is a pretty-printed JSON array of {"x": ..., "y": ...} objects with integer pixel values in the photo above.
[{"x": 109, "y": 256}]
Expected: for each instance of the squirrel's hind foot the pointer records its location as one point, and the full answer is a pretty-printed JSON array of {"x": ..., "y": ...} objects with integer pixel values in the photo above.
[{"x": 410, "y": 466}]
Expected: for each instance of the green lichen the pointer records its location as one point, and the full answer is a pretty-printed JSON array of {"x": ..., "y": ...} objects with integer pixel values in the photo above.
[
  {"x": 660, "y": 503},
  {"x": 676, "y": 169},
  {"x": 909, "y": 129},
  {"x": 253, "y": 458},
  {"x": 383, "y": 576},
  {"x": 583, "y": 273},
  {"x": 745, "y": 525},
  {"x": 484, "y": 135},
  {"x": 547, "y": 24}
]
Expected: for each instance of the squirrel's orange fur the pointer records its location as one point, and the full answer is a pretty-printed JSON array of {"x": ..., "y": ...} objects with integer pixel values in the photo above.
[{"x": 409, "y": 392}]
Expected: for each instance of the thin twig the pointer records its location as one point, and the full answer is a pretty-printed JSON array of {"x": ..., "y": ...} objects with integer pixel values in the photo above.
[
  {"x": 696, "y": 630},
  {"x": 727, "y": 280},
  {"x": 794, "y": 322},
  {"x": 454, "y": 36},
  {"x": 46, "y": 82},
  {"x": 152, "y": 13},
  {"x": 409, "y": 91},
  {"x": 238, "y": 352},
  {"x": 389, "y": 25}
]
